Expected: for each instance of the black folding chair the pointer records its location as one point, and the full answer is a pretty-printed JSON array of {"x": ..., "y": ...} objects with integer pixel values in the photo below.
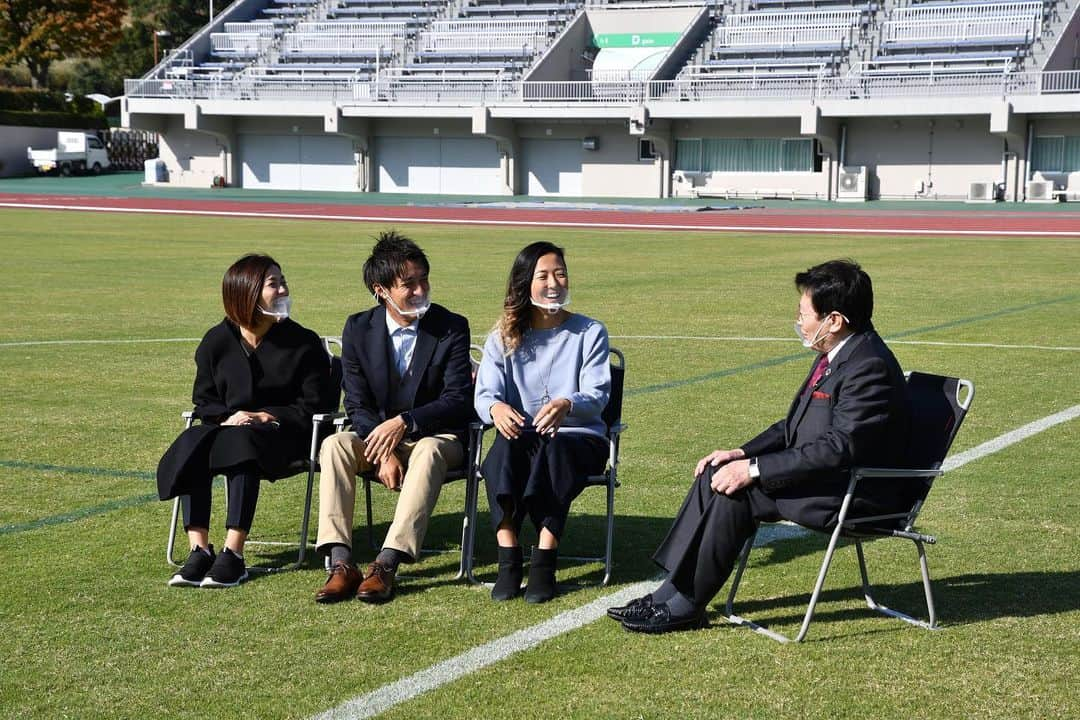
[
  {"x": 609, "y": 478},
  {"x": 321, "y": 426},
  {"x": 939, "y": 405}
]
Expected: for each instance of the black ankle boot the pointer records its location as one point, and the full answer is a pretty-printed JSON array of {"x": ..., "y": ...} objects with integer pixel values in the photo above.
[
  {"x": 508, "y": 584},
  {"x": 541, "y": 587}
]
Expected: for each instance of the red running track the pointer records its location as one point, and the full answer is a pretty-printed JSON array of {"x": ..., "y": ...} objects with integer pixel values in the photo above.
[{"x": 917, "y": 221}]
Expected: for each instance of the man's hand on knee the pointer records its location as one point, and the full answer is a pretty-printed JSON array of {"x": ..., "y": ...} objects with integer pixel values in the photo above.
[
  {"x": 390, "y": 473},
  {"x": 731, "y": 478},
  {"x": 717, "y": 458},
  {"x": 380, "y": 442}
]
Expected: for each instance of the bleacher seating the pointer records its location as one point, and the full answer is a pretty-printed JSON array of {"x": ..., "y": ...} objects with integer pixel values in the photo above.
[
  {"x": 783, "y": 42},
  {"x": 325, "y": 41},
  {"x": 479, "y": 47},
  {"x": 961, "y": 30},
  {"x": 555, "y": 12}
]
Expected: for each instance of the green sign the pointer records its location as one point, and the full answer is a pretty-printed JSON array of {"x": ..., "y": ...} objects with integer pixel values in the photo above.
[{"x": 633, "y": 40}]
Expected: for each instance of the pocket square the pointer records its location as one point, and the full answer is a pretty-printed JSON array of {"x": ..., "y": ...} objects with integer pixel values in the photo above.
[{"x": 818, "y": 395}]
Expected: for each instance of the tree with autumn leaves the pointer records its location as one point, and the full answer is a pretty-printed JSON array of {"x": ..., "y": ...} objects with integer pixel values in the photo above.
[
  {"x": 40, "y": 32},
  {"x": 112, "y": 37}
]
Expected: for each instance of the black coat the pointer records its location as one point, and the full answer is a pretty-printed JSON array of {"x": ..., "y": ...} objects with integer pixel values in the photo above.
[
  {"x": 288, "y": 376},
  {"x": 439, "y": 388},
  {"x": 858, "y": 414}
]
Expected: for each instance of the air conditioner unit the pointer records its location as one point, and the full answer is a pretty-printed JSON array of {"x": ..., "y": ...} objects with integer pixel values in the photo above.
[
  {"x": 982, "y": 192},
  {"x": 1041, "y": 191},
  {"x": 852, "y": 185}
]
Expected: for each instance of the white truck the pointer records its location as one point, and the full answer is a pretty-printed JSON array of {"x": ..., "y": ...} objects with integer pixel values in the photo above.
[{"x": 75, "y": 152}]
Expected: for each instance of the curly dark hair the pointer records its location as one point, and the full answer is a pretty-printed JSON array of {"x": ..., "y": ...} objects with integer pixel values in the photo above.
[{"x": 514, "y": 320}]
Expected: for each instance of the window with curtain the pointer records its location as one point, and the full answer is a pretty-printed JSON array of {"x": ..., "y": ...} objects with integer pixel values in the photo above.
[
  {"x": 1047, "y": 153},
  {"x": 688, "y": 155},
  {"x": 745, "y": 155},
  {"x": 1070, "y": 156}
]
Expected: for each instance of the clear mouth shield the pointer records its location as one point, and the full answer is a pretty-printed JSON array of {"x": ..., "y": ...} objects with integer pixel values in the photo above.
[
  {"x": 279, "y": 309},
  {"x": 552, "y": 304},
  {"x": 417, "y": 309}
]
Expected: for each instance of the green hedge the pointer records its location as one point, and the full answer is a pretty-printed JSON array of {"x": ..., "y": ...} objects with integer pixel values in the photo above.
[
  {"x": 62, "y": 120},
  {"x": 26, "y": 100}
]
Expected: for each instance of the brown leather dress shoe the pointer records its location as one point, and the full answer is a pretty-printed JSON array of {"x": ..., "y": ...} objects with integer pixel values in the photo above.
[
  {"x": 341, "y": 585},
  {"x": 378, "y": 584}
]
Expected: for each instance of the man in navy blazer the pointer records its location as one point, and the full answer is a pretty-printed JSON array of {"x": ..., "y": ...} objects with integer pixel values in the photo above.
[
  {"x": 852, "y": 409},
  {"x": 408, "y": 394}
]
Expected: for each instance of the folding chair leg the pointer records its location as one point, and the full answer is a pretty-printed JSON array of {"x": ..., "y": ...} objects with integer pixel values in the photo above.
[
  {"x": 370, "y": 529},
  {"x": 814, "y": 596},
  {"x": 744, "y": 555},
  {"x": 468, "y": 542},
  {"x": 170, "y": 547},
  {"x": 927, "y": 591},
  {"x": 467, "y": 521},
  {"x": 610, "y": 527},
  {"x": 306, "y": 519}
]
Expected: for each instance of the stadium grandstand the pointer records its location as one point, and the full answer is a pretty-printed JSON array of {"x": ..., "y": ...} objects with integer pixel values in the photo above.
[{"x": 843, "y": 100}]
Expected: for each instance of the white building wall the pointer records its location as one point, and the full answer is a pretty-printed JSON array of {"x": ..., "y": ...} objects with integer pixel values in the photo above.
[
  {"x": 193, "y": 158},
  {"x": 611, "y": 170},
  {"x": 924, "y": 157}
]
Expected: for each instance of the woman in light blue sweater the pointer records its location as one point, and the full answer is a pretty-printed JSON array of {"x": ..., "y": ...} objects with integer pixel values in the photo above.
[{"x": 543, "y": 382}]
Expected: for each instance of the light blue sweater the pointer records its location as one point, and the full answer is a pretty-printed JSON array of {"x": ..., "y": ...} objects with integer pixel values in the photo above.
[{"x": 571, "y": 360}]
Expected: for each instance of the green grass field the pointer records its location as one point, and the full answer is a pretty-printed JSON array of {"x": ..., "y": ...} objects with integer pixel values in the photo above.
[{"x": 88, "y": 627}]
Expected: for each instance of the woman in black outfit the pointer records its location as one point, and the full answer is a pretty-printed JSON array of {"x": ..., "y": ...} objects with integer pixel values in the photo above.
[{"x": 259, "y": 378}]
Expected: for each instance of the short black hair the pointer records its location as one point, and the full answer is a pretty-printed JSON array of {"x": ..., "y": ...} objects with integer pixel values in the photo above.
[
  {"x": 241, "y": 288},
  {"x": 840, "y": 286},
  {"x": 388, "y": 259}
]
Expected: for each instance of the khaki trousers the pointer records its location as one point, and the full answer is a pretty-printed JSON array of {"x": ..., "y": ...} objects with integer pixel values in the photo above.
[{"x": 426, "y": 461}]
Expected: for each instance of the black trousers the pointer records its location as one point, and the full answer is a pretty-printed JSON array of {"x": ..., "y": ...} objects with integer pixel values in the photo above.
[
  {"x": 700, "y": 550},
  {"x": 540, "y": 476},
  {"x": 242, "y": 485}
]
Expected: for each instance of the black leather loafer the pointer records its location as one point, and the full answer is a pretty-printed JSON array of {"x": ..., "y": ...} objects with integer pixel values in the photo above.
[
  {"x": 633, "y": 609},
  {"x": 658, "y": 619}
]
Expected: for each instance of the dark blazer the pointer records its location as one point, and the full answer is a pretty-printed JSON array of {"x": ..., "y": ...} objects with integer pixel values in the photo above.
[
  {"x": 858, "y": 414},
  {"x": 438, "y": 388},
  {"x": 288, "y": 376}
]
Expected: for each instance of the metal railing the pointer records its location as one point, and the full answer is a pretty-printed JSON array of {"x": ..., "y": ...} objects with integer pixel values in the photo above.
[
  {"x": 389, "y": 86},
  {"x": 792, "y": 17},
  {"x": 522, "y": 41},
  {"x": 323, "y": 43},
  {"x": 958, "y": 30},
  {"x": 962, "y": 11},
  {"x": 774, "y": 36}
]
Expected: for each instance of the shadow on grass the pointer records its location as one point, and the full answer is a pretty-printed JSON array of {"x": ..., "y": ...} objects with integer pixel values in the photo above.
[
  {"x": 959, "y": 599},
  {"x": 635, "y": 539}
]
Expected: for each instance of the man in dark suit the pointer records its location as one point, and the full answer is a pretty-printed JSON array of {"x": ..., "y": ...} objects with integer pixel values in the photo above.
[
  {"x": 852, "y": 409},
  {"x": 408, "y": 394}
]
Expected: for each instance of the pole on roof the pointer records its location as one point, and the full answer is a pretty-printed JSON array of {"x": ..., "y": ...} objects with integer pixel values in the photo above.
[{"x": 211, "y": 10}]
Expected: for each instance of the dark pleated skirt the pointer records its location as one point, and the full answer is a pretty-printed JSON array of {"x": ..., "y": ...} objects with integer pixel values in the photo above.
[{"x": 540, "y": 476}]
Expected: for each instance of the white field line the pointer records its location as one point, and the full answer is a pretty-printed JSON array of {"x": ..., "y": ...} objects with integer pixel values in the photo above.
[
  {"x": 119, "y": 341},
  {"x": 694, "y": 338},
  {"x": 1010, "y": 438},
  {"x": 737, "y": 338},
  {"x": 395, "y": 693},
  {"x": 584, "y": 222}
]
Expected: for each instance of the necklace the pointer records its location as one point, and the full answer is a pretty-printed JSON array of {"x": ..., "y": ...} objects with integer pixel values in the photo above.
[{"x": 544, "y": 378}]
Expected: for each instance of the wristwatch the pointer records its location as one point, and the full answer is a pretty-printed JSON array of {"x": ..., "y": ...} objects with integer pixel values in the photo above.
[
  {"x": 409, "y": 422},
  {"x": 755, "y": 473}
]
